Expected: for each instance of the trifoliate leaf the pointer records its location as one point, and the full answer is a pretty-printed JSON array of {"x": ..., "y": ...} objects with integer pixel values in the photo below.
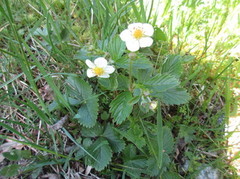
[
  {"x": 120, "y": 107},
  {"x": 173, "y": 96},
  {"x": 114, "y": 139},
  {"x": 172, "y": 65},
  {"x": 87, "y": 113},
  {"x": 100, "y": 150},
  {"x": 160, "y": 83}
]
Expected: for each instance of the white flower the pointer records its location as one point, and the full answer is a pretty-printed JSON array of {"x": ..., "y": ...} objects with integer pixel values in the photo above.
[
  {"x": 99, "y": 68},
  {"x": 137, "y": 35},
  {"x": 153, "y": 105}
]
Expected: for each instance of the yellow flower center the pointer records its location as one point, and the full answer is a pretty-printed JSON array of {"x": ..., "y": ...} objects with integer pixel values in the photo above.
[
  {"x": 98, "y": 71},
  {"x": 138, "y": 33}
]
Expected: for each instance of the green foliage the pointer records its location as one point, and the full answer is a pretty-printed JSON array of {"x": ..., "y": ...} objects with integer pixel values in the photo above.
[
  {"x": 161, "y": 83},
  {"x": 101, "y": 150},
  {"x": 88, "y": 111},
  {"x": 173, "y": 96},
  {"x": 116, "y": 143},
  {"x": 120, "y": 107},
  {"x": 10, "y": 171},
  {"x": 134, "y": 135},
  {"x": 140, "y": 62},
  {"x": 109, "y": 83},
  {"x": 187, "y": 133},
  {"x": 168, "y": 142},
  {"x": 116, "y": 48},
  {"x": 172, "y": 65},
  {"x": 15, "y": 155},
  {"x": 115, "y": 124},
  {"x": 159, "y": 35}
]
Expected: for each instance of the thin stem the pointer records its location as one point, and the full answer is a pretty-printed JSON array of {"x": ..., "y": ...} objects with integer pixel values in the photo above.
[{"x": 159, "y": 135}]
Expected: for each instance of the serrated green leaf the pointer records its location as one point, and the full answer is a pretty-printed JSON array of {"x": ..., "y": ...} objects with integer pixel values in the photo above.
[
  {"x": 142, "y": 75},
  {"x": 95, "y": 131},
  {"x": 187, "y": 133},
  {"x": 120, "y": 107},
  {"x": 140, "y": 62},
  {"x": 153, "y": 169},
  {"x": 122, "y": 82},
  {"x": 83, "y": 54},
  {"x": 136, "y": 167},
  {"x": 134, "y": 135},
  {"x": 172, "y": 65},
  {"x": 109, "y": 83},
  {"x": 101, "y": 150},
  {"x": 114, "y": 139},
  {"x": 87, "y": 113},
  {"x": 129, "y": 152},
  {"x": 173, "y": 96},
  {"x": 168, "y": 142},
  {"x": 170, "y": 175},
  {"x": 116, "y": 48},
  {"x": 10, "y": 170},
  {"x": 160, "y": 83}
]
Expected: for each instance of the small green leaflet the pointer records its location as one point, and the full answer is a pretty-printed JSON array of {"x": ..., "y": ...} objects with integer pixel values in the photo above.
[
  {"x": 140, "y": 62},
  {"x": 168, "y": 142},
  {"x": 87, "y": 113},
  {"x": 174, "y": 96},
  {"x": 160, "y": 35},
  {"x": 100, "y": 150},
  {"x": 109, "y": 83},
  {"x": 120, "y": 107},
  {"x": 160, "y": 83},
  {"x": 116, "y": 143},
  {"x": 116, "y": 48},
  {"x": 172, "y": 65},
  {"x": 10, "y": 170}
]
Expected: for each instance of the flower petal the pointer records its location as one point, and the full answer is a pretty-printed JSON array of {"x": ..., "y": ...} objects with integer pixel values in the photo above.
[
  {"x": 109, "y": 69},
  {"x": 100, "y": 62},
  {"x": 148, "y": 29},
  {"x": 145, "y": 42},
  {"x": 132, "y": 45},
  {"x": 90, "y": 64},
  {"x": 104, "y": 75},
  {"x": 125, "y": 35},
  {"x": 90, "y": 73},
  {"x": 134, "y": 26}
]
